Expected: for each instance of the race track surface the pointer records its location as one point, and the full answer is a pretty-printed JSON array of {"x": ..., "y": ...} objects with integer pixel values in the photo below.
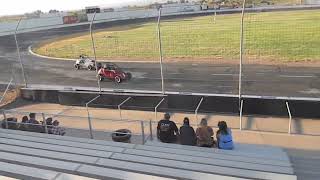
[{"x": 263, "y": 80}]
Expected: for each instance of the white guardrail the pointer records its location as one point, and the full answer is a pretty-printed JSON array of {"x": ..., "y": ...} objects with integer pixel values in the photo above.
[{"x": 36, "y": 24}]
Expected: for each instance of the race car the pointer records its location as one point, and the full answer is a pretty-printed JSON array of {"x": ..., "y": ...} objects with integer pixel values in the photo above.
[
  {"x": 113, "y": 72},
  {"x": 84, "y": 62}
]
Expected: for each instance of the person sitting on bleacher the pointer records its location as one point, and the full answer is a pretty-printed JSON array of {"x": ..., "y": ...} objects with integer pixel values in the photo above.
[
  {"x": 23, "y": 125},
  {"x": 167, "y": 131},
  {"x": 33, "y": 123},
  {"x": 56, "y": 129},
  {"x": 204, "y": 134},
  {"x": 224, "y": 136},
  {"x": 12, "y": 123},
  {"x": 49, "y": 125},
  {"x": 187, "y": 134}
]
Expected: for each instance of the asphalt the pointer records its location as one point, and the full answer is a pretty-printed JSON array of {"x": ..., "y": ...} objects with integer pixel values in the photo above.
[{"x": 263, "y": 80}]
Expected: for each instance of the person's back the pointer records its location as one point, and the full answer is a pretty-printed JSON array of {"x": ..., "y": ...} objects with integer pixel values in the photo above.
[
  {"x": 224, "y": 136},
  {"x": 187, "y": 134},
  {"x": 204, "y": 136},
  {"x": 166, "y": 130}
]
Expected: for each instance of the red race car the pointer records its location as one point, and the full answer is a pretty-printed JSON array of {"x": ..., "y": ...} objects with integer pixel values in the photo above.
[{"x": 113, "y": 72}]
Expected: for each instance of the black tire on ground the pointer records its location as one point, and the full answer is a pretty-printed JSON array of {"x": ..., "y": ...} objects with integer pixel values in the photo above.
[
  {"x": 121, "y": 135},
  {"x": 117, "y": 79},
  {"x": 90, "y": 68},
  {"x": 77, "y": 66}
]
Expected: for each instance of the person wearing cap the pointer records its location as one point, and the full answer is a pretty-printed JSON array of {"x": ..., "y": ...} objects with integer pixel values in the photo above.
[
  {"x": 187, "y": 134},
  {"x": 167, "y": 131}
]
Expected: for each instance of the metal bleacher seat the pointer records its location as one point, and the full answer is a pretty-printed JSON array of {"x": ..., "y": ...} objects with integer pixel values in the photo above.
[{"x": 102, "y": 159}]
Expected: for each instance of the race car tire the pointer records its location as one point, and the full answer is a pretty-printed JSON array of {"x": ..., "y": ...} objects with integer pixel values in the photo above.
[
  {"x": 117, "y": 79},
  {"x": 90, "y": 68},
  {"x": 77, "y": 66},
  {"x": 129, "y": 75},
  {"x": 100, "y": 78}
]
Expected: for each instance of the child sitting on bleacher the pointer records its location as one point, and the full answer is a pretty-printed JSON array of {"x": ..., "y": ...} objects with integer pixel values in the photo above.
[
  {"x": 56, "y": 130},
  {"x": 224, "y": 136},
  {"x": 204, "y": 134}
]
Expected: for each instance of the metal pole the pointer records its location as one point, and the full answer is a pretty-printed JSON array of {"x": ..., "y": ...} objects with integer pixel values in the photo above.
[
  {"x": 18, "y": 51},
  {"x": 215, "y": 15},
  {"x": 290, "y": 117},
  {"x": 241, "y": 50},
  {"x": 5, "y": 119},
  {"x": 160, "y": 51},
  {"x": 5, "y": 92},
  {"x": 196, "y": 111},
  {"x": 142, "y": 132},
  {"x": 45, "y": 124},
  {"x": 119, "y": 106},
  {"x": 150, "y": 126},
  {"x": 94, "y": 50},
  {"x": 89, "y": 118},
  {"x": 156, "y": 109},
  {"x": 241, "y": 107}
]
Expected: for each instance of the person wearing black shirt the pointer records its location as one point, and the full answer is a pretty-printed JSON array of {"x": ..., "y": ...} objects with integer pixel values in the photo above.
[
  {"x": 187, "y": 134},
  {"x": 167, "y": 131}
]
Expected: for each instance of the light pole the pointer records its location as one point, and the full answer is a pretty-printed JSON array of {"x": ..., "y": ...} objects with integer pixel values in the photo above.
[{"x": 241, "y": 51}]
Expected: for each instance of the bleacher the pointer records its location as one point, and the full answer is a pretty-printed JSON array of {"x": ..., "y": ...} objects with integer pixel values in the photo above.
[{"x": 27, "y": 155}]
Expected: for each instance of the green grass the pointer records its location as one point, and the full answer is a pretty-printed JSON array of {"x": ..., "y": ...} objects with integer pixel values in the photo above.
[{"x": 280, "y": 36}]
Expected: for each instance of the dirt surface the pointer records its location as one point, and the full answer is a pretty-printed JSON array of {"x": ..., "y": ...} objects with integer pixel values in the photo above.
[{"x": 10, "y": 97}]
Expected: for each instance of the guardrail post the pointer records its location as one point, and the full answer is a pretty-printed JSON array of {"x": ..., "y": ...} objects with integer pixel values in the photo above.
[
  {"x": 5, "y": 119},
  {"x": 156, "y": 109},
  {"x": 142, "y": 132},
  {"x": 241, "y": 108},
  {"x": 119, "y": 106},
  {"x": 89, "y": 118},
  {"x": 45, "y": 123},
  {"x": 290, "y": 117},
  {"x": 196, "y": 111},
  {"x": 150, "y": 126}
]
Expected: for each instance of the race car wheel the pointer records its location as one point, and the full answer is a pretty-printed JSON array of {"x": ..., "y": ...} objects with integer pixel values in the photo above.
[
  {"x": 90, "y": 68},
  {"x": 77, "y": 66},
  {"x": 117, "y": 79},
  {"x": 100, "y": 78},
  {"x": 129, "y": 75}
]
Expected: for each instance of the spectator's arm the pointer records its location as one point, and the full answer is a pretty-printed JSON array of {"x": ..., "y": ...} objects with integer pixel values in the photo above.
[{"x": 175, "y": 128}]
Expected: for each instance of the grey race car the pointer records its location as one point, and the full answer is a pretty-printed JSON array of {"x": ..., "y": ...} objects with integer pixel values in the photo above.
[{"x": 84, "y": 62}]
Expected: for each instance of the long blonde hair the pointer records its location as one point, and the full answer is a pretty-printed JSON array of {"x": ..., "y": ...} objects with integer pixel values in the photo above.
[{"x": 203, "y": 122}]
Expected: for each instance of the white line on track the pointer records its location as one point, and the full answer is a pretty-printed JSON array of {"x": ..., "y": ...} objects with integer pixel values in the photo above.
[
  {"x": 224, "y": 74},
  {"x": 297, "y": 76}
]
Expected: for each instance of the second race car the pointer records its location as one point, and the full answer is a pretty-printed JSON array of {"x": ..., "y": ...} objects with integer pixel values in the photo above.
[{"x": 113, "y": 72}]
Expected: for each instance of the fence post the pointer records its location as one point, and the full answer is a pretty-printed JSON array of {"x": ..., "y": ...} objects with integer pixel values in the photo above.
[
  {"x": 196, "y": 111},
  {"x": 150, "y": 126},
  {"x": 290, "y": 117},
  {"x": 94, "y": 50},
  {"x": 241, "y": 50},
  {"x": 119, "y": 106},
  {"x": 45, "y": 123},
  {"x": 89, "y": 118},
  {"x": 241, "y": 108},
  {"x": 18, "y": 51},
  {"x": 5, "y": 119},
  {"x": 160, "y": 51},
  {"x": 142, "y": 132}
]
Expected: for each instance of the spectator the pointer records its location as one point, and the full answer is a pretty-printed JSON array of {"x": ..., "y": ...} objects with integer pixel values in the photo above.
[
  {"x": 204, "y": 134},
  {"x": 187, "y": 134},
  {"x": 12, "y": 123},
  {"x": 23, "y": 125},
  {"x": 32, "y": 119},
  {"x": 34, "y": 125},
  {"x": 167, "y": 131},
  {"x": 49, "y": 125},
  {"x": 56, "y": 130},
  {"x": 224, "y": 136}
]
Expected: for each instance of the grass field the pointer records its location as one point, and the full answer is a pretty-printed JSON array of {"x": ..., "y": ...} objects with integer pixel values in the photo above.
[{"x": 281, "y": 36}]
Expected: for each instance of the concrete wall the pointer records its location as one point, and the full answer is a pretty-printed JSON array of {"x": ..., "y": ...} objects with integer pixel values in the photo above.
[{"x": 304, "y": 108}]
